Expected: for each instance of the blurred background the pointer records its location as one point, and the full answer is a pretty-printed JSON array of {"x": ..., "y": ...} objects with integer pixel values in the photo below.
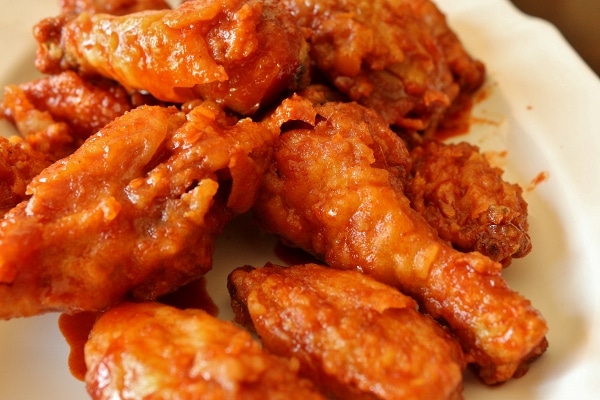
[{"x": 578, "y": 21}]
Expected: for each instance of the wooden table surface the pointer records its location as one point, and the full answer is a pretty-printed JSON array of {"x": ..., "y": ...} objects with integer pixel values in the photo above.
[{"x": 578, "y": 21}]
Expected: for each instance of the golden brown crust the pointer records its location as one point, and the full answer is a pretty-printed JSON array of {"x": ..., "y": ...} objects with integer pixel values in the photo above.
[
  {"x": 468, "y": 203},
  {"x": 134, "y": 211},
  {"x": 398, "y": 57},
  {"x": 149, "y": 350},
  {"x": 355, "y": 337},
  {"x": 240, "y": 54},
  {"x": 149, "y": 192},
  {"x": 335, "y": 190},
  {"x": 19, "y": 164},
  {"x": 55, "y": 114}
]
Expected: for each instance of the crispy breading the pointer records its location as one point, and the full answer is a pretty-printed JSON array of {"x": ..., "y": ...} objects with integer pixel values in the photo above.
[
  {"x": 334, "y": 189},
  {"x": 150, "y": 350},
  {"x": 466, "y": 200},
  {"x": 133, "y": 212},
  {"x": 357, "y": 338},
  {"x": 19, "y": 164},
  {"x": 399, "y": 57},
  {"x": 241, "y": 54},
  {"x": 56, "y": 113}
]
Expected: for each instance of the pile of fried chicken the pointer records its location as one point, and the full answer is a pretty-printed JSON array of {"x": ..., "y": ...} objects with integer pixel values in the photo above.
[{"x": 154, "y": 126}]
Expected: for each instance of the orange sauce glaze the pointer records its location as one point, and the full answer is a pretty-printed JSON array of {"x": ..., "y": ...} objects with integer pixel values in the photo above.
[
  {"x": 76, "y": 328},
  {"x": 457, "y": 120}
]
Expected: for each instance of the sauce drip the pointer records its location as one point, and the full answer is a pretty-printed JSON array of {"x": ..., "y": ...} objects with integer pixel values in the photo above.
[
  {"x": 457, "y": 120},
  {"x": 76, "y": 328}
]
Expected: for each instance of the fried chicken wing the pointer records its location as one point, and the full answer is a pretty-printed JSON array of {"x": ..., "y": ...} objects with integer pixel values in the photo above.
[
  {"x": 19, "y": 164},
  {"x": 55, "y": 114},
  {"x": 133, "y": 212},
  {"x": 398, "y": 57},
  {"x": 334, "y": 189},
  {"x": 357, "y": 338},
  {"x": 150, "y": 350},
  {"x": 240, "y": 54},
  {"x": 466, "y": 200},
  {"x": 40, "y": 130},
  {"x": 76, "y": 327}
]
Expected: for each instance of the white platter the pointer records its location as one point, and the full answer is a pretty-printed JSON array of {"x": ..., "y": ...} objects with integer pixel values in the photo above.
[{"x": 542, "y": 107}]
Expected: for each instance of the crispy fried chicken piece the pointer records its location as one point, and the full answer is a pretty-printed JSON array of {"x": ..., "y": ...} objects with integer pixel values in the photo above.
[
  {"x": 357, "y": 338},
  {"x": 55, "y": 114},
  {"x": 150, "y": 350},
  {"x": 240, "y": 54},
  {"x": 466, "y": 200},
  {"x": 334, "y": 189},
  {"x": 398, "y": 57},
  {"x": 76, "y": 327},
  {"x": 133, "y": 212},
  {"x": 19, "y": 164},
  {"x": 114, "y": 7},
  {"x": 39, "y": 129}
]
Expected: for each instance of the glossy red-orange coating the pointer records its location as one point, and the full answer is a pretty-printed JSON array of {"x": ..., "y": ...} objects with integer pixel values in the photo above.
[
  {"x": 466, "y": 200},
  {"x": 399, "y": 57},
  {"x": 335, "y": 189},
  {"x": 19, "y": 164},
  {"x": 56, "y": 113},
  {"x": 241, "y": 54},
  {"x": 133, "y": 212},
  {"x": 154, "y": 351},
  {"x": 76, "y": 327},
  {"x": 355, "y": 337}
]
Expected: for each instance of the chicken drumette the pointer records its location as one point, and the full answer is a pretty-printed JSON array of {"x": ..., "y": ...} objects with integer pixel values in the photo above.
[
  {"x": 240, "y": 54},
  {"x": 399, "y": 57},
  {"x": 133, "y": 212},
  {"x": 150, "y": 350},
  {"x": 335, "y": 189},
  {"x": 356, "y": 337}
]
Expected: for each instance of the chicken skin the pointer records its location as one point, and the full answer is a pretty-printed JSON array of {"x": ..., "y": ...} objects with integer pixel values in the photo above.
[
  {"x": 239, "y": 54},
  {"x": 55, "y": 114},
  {"x": 357, "y": 338},
  {"x": 132, "y": 213},
  {"x": 150, "y": 350},
  {"x": 398, "y": 57},
  {"x": 19, "y": 164},
  {"x": 466, "y": 200},
  {"x": 335, "y": 189}
]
